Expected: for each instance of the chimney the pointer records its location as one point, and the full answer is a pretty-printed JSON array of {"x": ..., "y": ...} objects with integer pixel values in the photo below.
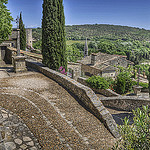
[
  {"x": 86, "y": 49},
  {"x": 93, "y": 58}
]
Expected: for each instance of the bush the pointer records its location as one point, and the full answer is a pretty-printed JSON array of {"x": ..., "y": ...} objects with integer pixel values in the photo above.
[
  {"x": 144, "y": 85},
  {"x": 123, "y": 83},
  {"x": 137, "y": 135},
  {"x": 98, "y": 82}
]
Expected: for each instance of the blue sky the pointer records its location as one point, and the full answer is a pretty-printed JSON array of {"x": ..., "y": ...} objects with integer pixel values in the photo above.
[{"x": 135, "y": 13}]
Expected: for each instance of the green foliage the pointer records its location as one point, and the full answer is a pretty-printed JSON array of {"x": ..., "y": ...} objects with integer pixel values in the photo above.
[
  {"x": 98, "y": 82},
  {"x": 5, "y": 21},
  {"x": 37, "y": 34},
  {"x": 144, "y": 85},
  {"x": 110, "y": 82},
  {"x": 137, "y": 135},
  {"x": 123, "y": 83},
  {"x": 75, "y": 52},
  {"x": 97, "y": 31},
  {"x": 143, "y": 68},
  {"x": 22, "y": 34},
  {"x": 131, "y": 42},
  {"x": 53, "y": 34},
  {"x": 37, "y": 45}
]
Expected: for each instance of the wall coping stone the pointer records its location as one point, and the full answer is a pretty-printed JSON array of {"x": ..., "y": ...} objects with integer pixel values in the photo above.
[{"x": 84, "y": 94}]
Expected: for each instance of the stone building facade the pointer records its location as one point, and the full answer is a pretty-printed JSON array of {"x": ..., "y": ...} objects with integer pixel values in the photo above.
[
  {"x": 29, "y": 38},
  {"x": 12, "y": 42},
  {"x": 103, "y": 64}
]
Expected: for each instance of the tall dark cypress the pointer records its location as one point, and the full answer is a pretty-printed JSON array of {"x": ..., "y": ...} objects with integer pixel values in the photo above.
[
  {"x": 22, "y": 34},
  {"x": 53, "y": 37},
  {"x": 61, "y": 34}
]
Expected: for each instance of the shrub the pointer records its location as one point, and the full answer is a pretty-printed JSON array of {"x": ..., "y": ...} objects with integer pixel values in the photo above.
[
  {"x": 110, "y": 82},
  {"x": 144, "y": 85},
  {"x": 98, "y": 82},
  {"x": 137, "y": 135},
  {"x": 123, "y": 83}
]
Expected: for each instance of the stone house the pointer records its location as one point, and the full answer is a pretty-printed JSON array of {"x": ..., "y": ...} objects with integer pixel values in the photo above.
[
  {"x": 103, "y": 64},
  {"x": 12, "y": 42}
]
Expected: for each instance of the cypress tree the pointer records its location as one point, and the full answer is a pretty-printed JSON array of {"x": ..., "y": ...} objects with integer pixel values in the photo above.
[
  {"x": 22, "y": 34},
  {"x": 53, "y": 34}
]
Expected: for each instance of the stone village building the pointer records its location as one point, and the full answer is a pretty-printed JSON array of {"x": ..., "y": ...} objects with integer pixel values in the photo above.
[
  {"x": 103, "y": 64},
  {"x": 98, "y": 64},
  {"x": 12, "y": 42}
]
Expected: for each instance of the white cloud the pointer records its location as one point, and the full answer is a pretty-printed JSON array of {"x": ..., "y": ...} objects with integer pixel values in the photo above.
[{"x": 32, "y": 26}]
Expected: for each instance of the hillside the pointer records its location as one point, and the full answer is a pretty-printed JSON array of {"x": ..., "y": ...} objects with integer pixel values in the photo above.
[
  {"x": 111, "y": 39},
  {"x": 97, "y": 31}
]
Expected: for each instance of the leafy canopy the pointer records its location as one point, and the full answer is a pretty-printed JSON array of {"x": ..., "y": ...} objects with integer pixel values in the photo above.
[
  {"x": 5, "y": 21},
  {"x": 98, "y": 82},
  {"x": 123, "y": 83}
]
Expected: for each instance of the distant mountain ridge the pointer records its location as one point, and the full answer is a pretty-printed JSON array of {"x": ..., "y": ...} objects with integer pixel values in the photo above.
[{"x": 98, "y": 31}]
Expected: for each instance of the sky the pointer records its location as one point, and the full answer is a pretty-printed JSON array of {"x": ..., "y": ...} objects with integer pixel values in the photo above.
[{"x": 134, "y": 13}]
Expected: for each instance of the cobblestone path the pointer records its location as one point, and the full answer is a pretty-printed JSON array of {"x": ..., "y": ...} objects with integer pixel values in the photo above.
[
  {"x": 14, "y": 134},
  {"x": 52, "y": 114}
]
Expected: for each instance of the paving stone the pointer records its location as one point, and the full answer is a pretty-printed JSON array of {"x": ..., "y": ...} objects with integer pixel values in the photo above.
[
  {"x": 5, "y": 116},
  {"x": 33, "y": 148},
  {"x": 13, "y": 130},
  {"x": 10, "y": 146},
  {"x": 23, "y": 146},
  {"x": 18, "y": 141},
  {"x": 30, "y": 143},
  {"x": 26, "y": 139}
]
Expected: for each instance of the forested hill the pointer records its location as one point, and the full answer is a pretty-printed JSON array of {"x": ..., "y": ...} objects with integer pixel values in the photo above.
[{"x": 97, "y": 31}]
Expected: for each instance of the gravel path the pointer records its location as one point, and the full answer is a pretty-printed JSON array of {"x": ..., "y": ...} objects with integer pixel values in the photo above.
[{"x": 52, "y": 114}]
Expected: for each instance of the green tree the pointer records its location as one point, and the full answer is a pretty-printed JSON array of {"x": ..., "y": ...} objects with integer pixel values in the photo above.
[
  {"x": 53, "y": 34},
  {"x": 61, "y": 34},
  {"x": 5, "y": 21},
  {"x": 22, "y": 34},
  {"x": 74, "y": 53},
  {"x": 123, "y": 83},
  {"x": 98, "y": 82}
]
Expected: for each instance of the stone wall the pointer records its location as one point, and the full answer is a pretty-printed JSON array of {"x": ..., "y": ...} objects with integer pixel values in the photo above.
[
  {"x": 84, "y": 94},
  {"x": 127, "y": 103},
  {"x": 91, "y": 70},
  {"x": 109, "y": 73},
  {"x": 107, "y": 92},
  {"x": 8, "y": 56},
  {"x": 76, "y": 67}
]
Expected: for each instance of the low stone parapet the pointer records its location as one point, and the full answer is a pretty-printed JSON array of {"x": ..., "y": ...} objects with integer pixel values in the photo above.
[
  {"x": 84, "y": 94},
  {"x": 127, "y": 103}
]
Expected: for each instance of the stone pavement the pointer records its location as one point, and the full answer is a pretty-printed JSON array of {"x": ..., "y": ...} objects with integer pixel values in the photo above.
[
  {"x": 52, "y": 114},
  {"x": 14, "y": 134}
]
